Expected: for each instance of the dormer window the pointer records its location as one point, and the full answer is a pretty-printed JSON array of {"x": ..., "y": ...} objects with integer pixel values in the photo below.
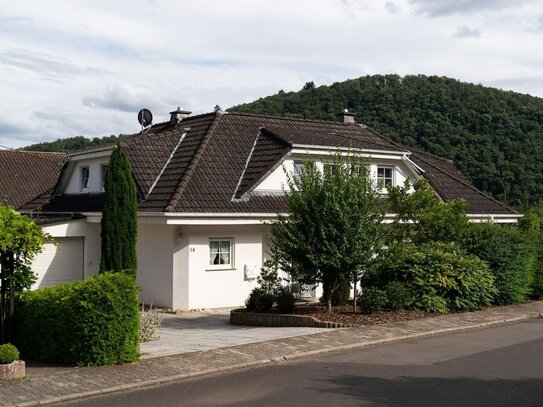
[
  {"x": 385, "y": 177},
  {"x": 103, "y": 169},
  {"x": 84, "y": 178}
]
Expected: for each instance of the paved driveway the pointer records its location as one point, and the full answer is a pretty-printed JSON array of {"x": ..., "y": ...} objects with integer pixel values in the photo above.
[{"x": 194, "y": 331}]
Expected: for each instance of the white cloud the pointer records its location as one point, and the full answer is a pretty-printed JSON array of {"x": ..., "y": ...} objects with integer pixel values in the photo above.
[
  {"x": 464, "y": 31},
  {"x": 87, "y": 67}
]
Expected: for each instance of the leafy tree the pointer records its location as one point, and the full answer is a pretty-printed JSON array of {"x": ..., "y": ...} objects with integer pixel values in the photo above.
[
  {"x": 333, "y": 226},
  {"x": 20, "y": 240},
  {"x": 119, "y": 216},
  {"x": 309, "y": 85},
  {"x": 421, "y": 217}
]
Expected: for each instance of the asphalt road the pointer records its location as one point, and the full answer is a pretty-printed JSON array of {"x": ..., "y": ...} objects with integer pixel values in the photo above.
[{"x": 499, "y": 366}]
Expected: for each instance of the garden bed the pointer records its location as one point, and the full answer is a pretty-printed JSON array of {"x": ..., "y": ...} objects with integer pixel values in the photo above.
[
  {"x": 316, "y": 316},
  {"x": 345, "y": 316}
]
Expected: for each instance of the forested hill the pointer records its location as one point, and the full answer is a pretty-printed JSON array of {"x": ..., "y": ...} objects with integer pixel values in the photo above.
[
  {"x": 494, "y": 137},
  {"x": 70, "y": 144}
]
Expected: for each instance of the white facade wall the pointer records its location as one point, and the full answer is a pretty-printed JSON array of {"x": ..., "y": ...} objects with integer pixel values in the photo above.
[
  {"x": 209, "y": 287},
  {"x": 155, "y": 247},
  {"x": 276, "y": 181}
]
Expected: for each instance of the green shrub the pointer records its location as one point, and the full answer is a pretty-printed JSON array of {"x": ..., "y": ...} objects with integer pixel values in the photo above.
[
  {"x": 93, "y": 322},
  {"x": 8, "y": 353},
  {"x": 537, "y": 285},
  {"x": 511, "y": 258},
  {"x": 264, "y": 302},
  {"x": 441, "y": 277},
  {"x": 250, "y": 302},
  {"x": 399, "y": 296},
  {"x": 285, "y": 301},
  {"x": 372, "y": 299}
]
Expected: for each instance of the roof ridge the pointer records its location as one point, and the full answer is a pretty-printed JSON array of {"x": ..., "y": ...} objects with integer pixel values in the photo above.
[
  {"x": 269, "y": 116},
  {"x": 34, "y": 152},
  {"x": 185, "y": 178},
  {"x": 469, "y": 185}
]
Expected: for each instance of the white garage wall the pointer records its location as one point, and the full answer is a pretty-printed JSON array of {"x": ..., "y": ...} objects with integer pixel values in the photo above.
[{"x": 155, "y": 264}]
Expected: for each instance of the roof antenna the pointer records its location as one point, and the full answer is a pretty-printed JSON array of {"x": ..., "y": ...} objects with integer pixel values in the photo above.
[{"x": 145, "y": 117}]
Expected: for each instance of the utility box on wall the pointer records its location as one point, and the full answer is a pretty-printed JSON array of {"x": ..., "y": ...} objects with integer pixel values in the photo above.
[{"x": 251, "y": 272}]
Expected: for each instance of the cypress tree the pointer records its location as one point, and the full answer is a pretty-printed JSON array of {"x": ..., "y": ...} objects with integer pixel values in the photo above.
[{"x": 119, "y": 216}]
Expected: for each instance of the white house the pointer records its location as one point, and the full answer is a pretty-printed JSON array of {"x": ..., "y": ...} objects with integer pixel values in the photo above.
[{"x": 207, "y": 185}]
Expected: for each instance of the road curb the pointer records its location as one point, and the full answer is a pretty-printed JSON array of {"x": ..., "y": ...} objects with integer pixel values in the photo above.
[{"x": 264, "y": 362}]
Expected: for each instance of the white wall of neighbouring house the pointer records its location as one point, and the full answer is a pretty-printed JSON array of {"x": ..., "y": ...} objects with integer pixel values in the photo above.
[
  {"x": 95, "y": 176},
  {"x": 208, "y": 285}
]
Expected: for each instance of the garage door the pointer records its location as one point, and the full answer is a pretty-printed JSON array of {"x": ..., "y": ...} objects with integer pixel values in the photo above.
[{"x": 61, "y": 263}]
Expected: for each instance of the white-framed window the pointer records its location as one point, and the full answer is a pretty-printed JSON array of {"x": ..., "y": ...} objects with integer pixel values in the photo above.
[
  {"x": 103, "y": 169},
  {"x": 221, "y": 253},
  {"x": 84, "y": 171},
  {"x": 299, "y": 167},
  {"x": 385, "y": 177}
]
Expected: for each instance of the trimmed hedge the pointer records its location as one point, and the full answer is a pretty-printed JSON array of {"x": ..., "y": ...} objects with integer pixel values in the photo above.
[
  {"x": 93, "y": 322},
  {"x": 510, "y": 255}
]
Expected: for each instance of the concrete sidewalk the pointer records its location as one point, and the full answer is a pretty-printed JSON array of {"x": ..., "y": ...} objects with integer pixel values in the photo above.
[{"x": 69, "y": 384}]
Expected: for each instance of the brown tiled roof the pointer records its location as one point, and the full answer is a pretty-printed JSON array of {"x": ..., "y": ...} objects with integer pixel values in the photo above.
[
  {"x": 25, "y": 175},
  {"x": 267, "y": 153},
  {"x": 211, "y": 162},
  {"x": 450, "y": 184}
]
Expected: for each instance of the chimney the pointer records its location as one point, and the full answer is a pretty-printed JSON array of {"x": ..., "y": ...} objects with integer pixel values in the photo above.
[
  {"x": 345, "y": 117},
  {"x": 177, "y": 115}
]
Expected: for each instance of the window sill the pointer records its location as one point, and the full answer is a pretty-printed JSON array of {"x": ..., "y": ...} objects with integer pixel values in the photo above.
[{"x": 226, "y": 268}]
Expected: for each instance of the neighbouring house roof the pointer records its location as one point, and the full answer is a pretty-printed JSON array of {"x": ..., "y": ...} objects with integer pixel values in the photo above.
[
  {"x": 25, "y": 175},
  {"x": 210, "y": 163}
]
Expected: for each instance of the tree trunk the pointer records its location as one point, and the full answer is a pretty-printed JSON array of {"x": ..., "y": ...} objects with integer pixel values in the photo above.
[
  {"x": 329, "y": 303},
  {"x": 354, "y": 294}
]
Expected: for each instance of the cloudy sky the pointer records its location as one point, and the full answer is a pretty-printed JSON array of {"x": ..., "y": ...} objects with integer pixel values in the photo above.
[{"x": 82, "y": 67}]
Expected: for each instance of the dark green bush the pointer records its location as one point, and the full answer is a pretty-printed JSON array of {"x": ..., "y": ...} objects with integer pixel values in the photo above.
[
  {"x": 264, "y": 302},
  {"x": 93, "y": 322},
  {"x": 372, "y": 299},
  {"x": 250, "y": 302},
  {"x": 441, "y": 277},
  {"x": 511, "y": 258},
  {"x": 8, "y": 353},
  {"x": 537, "y": 285},
  {"x": 399, "y": 296},
  {"x": 285, "y": 301}
]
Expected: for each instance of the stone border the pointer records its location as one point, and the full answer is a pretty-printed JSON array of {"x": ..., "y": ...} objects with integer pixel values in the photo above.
[{"x": 241, "y": 317}]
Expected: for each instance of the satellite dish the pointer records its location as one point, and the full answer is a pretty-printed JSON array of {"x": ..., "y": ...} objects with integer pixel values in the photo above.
[{"x": 145, "y": 117}]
